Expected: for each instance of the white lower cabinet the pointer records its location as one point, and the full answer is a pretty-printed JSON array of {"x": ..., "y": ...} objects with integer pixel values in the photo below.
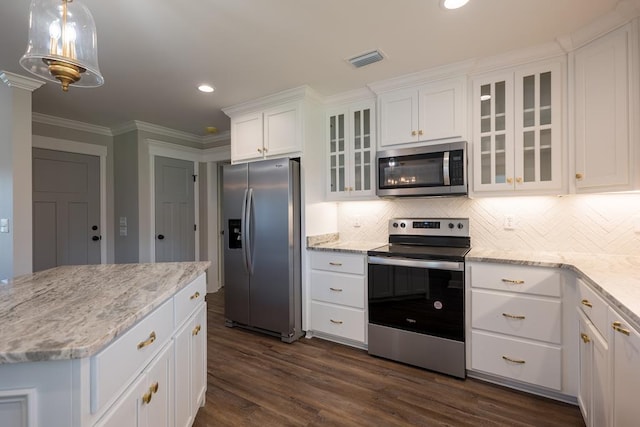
[
  {"x": 625, "y": 368},
  {"x": 516, "y": 324},
  {"x": 338, "y": 296},
  {"x": 190, "y": 349},
  {"x": 594, "y": 392},
  {"x": 148, "y": 401}
]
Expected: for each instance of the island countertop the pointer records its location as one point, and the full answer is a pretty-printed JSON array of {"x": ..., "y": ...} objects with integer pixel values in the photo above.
[{"x": 72, "y": 312}]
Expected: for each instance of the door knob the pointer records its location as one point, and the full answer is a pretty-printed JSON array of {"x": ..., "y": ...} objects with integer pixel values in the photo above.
[
  {"x": 94, "y": 228},
  {"x": 160, "y": 236},
  {"x": 96, "y": 238}
]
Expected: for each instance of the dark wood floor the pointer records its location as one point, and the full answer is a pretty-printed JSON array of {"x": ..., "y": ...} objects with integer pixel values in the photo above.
[{"x": 256, "y": 380}]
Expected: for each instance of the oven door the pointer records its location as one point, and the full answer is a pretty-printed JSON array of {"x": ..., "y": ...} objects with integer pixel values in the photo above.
[{"x": 421, "y": 296}]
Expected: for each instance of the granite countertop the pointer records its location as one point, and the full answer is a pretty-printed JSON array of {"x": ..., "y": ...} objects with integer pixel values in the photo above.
[
  {"x": 331, "y": 242},
  {"x": 72, "y": 312},
  {"x": 615, "y": 277}
]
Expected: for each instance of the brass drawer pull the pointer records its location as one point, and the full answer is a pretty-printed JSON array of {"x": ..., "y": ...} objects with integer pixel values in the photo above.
[
  {"x": 586, "y": 303},
  {"x": 154, "y": 387},
  {"x": 513, "y": 281},
  {"x": 513, "y": 316},
  {"x": 146, "y": 398},
  {"x": 148, "y": 341},
  {"x": 194, "y": 296},
  {"x": 335, "y": 264},
  {"x": 617, "y": 326},
  {"x": 337, "y": 322},
  {"x": 585, "y": 338},
  {"x": 196, "y": 330},
  {"x": 336, "y": 289},
  {"x": 518, "y": 361}
]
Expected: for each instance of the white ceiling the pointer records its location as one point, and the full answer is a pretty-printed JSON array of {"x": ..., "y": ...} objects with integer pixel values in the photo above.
[{"x": 154, "y": 53}]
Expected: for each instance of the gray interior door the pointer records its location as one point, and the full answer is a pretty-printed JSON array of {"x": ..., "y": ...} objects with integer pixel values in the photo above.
[
  {"x": 175, "y": 216},
  {"x": 66, "y": 209}
]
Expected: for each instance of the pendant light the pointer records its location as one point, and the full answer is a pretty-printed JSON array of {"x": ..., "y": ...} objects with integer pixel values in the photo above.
[{"x": 62, "y": 44}]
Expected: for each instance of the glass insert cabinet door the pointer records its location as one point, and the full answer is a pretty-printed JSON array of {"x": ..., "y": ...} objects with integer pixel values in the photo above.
[
  {"x": 350, "y": 152},
  {"x": 538, "y": 127},
  {"x": 493, "y": 133}
]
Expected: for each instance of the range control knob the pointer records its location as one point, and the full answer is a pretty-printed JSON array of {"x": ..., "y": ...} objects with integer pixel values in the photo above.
[
  {"x": 451, "y": 225},
  {"x": 395, "y": 225},
  {"x": 460, "y": 225},
  {"x": 403, "y": 225}
]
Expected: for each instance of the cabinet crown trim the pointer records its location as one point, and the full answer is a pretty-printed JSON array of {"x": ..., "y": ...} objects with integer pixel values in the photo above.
[
  {"x": 445, "y": 72},
  {"x": 296, "y": 94}
]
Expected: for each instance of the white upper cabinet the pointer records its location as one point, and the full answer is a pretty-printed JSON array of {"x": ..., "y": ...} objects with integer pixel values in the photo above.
[
  {"x": 351, "y": 151},
  {"x": 428, "y": 112},
  {"x": 606, "y": 90},
  {"x": 517, "y": 130},
  {"x": 272, "y": 126}
]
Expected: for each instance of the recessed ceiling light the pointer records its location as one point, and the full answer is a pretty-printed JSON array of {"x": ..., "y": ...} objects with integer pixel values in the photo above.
[
  {"x": 206, "y": 88},
  {"x": 453, "y": 4}
]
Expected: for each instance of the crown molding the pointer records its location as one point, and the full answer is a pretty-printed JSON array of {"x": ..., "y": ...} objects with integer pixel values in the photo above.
[
  {"x": 156, "y": 129},
  {"x": 456, "y": 69},
  {"x": 518, "y": 57},
  {"x": 20, "y": 82},
  {"x": 70, "y": 124},
  {"x": 218, "y": 139},
  {"x": 289, "y": 95},
  {"x": 356, "y": 95}
]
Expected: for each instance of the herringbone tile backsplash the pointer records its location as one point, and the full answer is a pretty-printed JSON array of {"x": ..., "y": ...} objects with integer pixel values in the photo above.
[{"x": 576, "y": 223}]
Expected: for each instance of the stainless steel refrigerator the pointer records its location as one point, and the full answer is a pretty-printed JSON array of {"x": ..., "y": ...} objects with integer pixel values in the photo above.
[{"x": 261, "y": 202}]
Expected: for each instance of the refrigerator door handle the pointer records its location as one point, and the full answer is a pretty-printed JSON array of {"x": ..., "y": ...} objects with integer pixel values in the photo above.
[
  {"x": 247, "y": 233},
  {"x": 243, "y": 230}
]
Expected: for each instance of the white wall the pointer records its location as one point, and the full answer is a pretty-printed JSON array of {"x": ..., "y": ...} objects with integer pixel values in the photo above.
[{"x": 606, "y": 223}]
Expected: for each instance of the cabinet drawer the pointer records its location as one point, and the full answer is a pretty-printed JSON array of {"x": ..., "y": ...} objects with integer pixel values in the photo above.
[
  {"x": 513, "y": 278},
  {"x": 339, "y": 321},
  {"x": 189, "y": 298},
  {"x": 338, "y": 262},
  {"x": 336, "y": 288},
  {"x": 519, "y": 315},
  {"x": 593, "y": 307},
  {"x": 113, "y": 368},
  {"x": 529, "y": 362}
]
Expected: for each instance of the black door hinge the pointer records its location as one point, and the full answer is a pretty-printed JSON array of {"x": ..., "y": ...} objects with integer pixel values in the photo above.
[
  {"x": 195, "y": 227},
  {"x": 194, "y": 177}
]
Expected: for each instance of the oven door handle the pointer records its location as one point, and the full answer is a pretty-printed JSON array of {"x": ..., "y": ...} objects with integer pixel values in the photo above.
[{"x": 418, "y": 263}]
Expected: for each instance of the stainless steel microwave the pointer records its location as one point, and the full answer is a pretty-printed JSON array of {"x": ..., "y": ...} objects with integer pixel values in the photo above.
[{"x": 434, "y": 170}]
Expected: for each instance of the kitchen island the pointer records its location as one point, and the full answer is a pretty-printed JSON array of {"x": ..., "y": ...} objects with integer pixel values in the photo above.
[{"x": 117, "y": 344}]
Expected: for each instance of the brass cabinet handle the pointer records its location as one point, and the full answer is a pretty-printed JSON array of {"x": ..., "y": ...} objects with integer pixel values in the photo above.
[
  {"x": 513, "y": 281},
  {"x": 518, "y": 361},
  {"x": 586, "y": 303},
  {"x": 513, "y": 316},
  {"x": 196, "y": 330},
  {"x": 337, "y": 322},
  {"x": 154, "y": 387},
  {"x": 260, "y": 150},
  {"x": 617, "y": 326},
  {"x": 336, "y": 289},
  {"x": 146, "y": 398},
  {"x": 420, "y": 132},
  {"x": 194, "y": 296},
  {"x": 335, "y": 264},
  {"x": 509, "y": 180},
  {"x": 585, "y": 338},
  {"x": 148, "y": 341},
  {"x": 519, "y": 180},
  {"x": 413, "y": 133},
  {"x": 265, "y": 149},
  {"x": 579, "y": 176}
]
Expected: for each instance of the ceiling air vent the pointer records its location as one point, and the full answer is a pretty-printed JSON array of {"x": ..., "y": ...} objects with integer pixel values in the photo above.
[{"x": 366, "y": 58}]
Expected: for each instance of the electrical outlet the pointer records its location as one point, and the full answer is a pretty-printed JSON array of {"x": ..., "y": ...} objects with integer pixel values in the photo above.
[
  {"x": 357, "y": 221},
  {"x": 509, "y": 222},
  {"x": 636, "y": 224},
  {"x": 4, "y": 225}
]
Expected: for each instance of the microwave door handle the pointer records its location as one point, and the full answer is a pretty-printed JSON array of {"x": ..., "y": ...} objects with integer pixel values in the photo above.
[{"x": 445, "y": 169}]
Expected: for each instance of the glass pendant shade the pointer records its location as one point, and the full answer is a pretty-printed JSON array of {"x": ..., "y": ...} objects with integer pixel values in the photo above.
[{"x": 62, "y": 43}]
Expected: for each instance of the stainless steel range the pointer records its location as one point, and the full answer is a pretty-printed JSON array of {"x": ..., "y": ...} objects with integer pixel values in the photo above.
[{"x": 416, "y": 294}]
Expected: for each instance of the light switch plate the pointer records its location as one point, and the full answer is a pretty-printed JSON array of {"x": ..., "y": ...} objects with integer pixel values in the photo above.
[
  {"x": 509, "y": 222},
  {"x": 4, "y": 225}
]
